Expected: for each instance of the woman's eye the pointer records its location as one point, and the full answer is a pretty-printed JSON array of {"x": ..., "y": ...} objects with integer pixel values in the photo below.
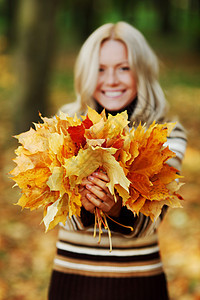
[
  {"x": 124, "y": 68},
  {"x": 101, "y": 69}
]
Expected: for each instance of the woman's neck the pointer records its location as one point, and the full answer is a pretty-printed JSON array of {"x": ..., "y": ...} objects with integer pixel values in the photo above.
[{"x": 129, "y": 108}]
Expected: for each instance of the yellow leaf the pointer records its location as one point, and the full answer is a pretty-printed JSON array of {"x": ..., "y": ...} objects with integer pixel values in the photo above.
[
  {"x": 51, "y": 213},
  {"x": 24, "y": 163},
  {"x": 55, "y": 180},
  {"x": 174, "y": 186},
  {"x": 33, "y": 141},
  {"x": 48, "y": 125},
  {"x": 33, "y": 177},
  {"x": 56, "y": 141},
  {"x": 93, "y": 115},
  {"x": 153, "y": 208},
  {"x": 74, "y": 202},
  {"x": 23, "y": 201},
  {"x": 90, "y": 159},
  {"x": 96, "y": 131},
  {"x": 72, "y": 121},
  {"x": 115, "y": 125},
  {"x": 152, "y": 157},
  {"x": 122, "y": 193},
  {"x": 20, "y": 150},
  {"x": 95, "y": 142},
  {"x": 108, "y": 129},
  {"x": 41, "y": 159},
  {"x": 115, "y": 173}
]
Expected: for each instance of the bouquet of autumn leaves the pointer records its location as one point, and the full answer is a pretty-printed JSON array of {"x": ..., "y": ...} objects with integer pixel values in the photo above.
[{"x": 54, "y": 158}]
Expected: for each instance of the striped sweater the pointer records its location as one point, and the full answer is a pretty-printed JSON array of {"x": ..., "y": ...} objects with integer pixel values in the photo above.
[{"x": 134, "y": 253}]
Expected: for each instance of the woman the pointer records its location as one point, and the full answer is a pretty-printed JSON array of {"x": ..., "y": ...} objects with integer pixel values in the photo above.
[{"x": 115, "y": 70}]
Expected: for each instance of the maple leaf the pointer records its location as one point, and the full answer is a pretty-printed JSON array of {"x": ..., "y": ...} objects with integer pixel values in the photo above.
[
  {"x": 24, "y": 163},
  {"x": 40, "y": 159},
  {"x": 140, "y": 183},
  {"x": 95, "y": 142},
  {"x": 32, "y": 177},
  {"x": 109, "y": 128},
  {"x": 69, "y": 149},
  {"x": 74, "y": 202},
  {"x": 96, "y": 131},
  {"x": 115, "y": 125},
  {"x": 50, "y": 214},
  {"x": 33, "y": 141},
  {"x": 55, "y": 180},
  {"x": 70, "y": 121},
  {"x": 136, "y": 205},
  {"x": 151, "y": 157},
  {"x": 93, "y": 116},
  {"x": 87, "y": 123},
  {"x": 154, "y": 208},
  {"x": 77, "y": 134},
  {"x": 55, "y": 141},
  {"x": 90, "y": 159},
  {"x": 158, "y": 191},
  {"x": 55, "y": 213},
  {"x": 115, "y": 143},
  {"x": 62, "y": 126}
]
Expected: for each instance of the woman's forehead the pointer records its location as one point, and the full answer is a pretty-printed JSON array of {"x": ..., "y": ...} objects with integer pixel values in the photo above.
[{"x": 114, "y": 51}]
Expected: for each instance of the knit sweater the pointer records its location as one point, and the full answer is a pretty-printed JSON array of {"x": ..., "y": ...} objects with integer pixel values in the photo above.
[{"x": 135, "y": 254}]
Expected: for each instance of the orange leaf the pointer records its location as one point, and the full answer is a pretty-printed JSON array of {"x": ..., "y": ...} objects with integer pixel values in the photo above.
[
  {"x": 166, "y": 174},
  {"x": 141, "y": 183},
  {"x": 158, "y": 191},
  {"x": 136, "y": 205}
]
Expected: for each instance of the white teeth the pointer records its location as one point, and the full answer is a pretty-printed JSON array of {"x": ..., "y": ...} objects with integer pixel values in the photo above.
[{"x": 113, "y": 94}]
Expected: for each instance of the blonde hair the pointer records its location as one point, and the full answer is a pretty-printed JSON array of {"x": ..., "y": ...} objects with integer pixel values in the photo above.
[{"x": 151, "y": 101}]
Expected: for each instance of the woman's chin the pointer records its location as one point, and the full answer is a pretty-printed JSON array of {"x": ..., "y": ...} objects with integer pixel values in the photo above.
[{"x": 112, "y": 105}]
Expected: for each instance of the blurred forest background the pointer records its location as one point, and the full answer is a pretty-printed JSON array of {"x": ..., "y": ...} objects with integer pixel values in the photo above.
[{"x": 39, "y": 41}]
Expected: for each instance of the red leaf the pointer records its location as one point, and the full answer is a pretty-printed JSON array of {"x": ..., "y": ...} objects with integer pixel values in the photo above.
[
  {"x": 87, "y": 123},
  {"x": 104, "y": 144},
  {"x": 77, "y": 134},
  {"x": 118, "y": 143}
]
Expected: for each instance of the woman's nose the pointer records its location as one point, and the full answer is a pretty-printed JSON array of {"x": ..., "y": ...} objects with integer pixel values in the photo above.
[{"x": 112, "y": 78}]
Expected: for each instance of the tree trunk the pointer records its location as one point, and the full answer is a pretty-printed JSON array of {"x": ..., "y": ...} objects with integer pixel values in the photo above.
[
  {"x": 85, "y": 17},
  {"x": 164, "y": 9},
  {"x": 9, "y": 10},
  {"x": 36, "y": 43}
]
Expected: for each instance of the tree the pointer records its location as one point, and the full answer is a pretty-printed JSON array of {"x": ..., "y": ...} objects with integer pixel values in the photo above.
[
  {"x": 35, "y": 48},
  {"x": 85, "y": 16},
  {"x": 164, "y": 10},
  {"x": 8, "y": 16}
]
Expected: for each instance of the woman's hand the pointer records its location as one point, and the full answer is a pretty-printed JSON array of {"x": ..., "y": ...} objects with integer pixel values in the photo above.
[{"x": 95, "y": 193}]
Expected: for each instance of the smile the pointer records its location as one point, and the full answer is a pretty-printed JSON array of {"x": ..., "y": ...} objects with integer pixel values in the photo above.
[{"x": 113, "y": 94}]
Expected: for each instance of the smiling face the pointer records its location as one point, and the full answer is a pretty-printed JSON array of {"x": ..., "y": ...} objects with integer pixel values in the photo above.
[{"x": 116, "y": 84}]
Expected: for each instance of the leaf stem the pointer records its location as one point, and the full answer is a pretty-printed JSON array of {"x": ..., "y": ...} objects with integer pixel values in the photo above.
[{"x": 125, "y": 226}]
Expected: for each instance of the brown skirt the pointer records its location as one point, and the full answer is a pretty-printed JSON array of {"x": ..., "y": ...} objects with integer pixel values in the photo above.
[{"x": 77, "y": 287}]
